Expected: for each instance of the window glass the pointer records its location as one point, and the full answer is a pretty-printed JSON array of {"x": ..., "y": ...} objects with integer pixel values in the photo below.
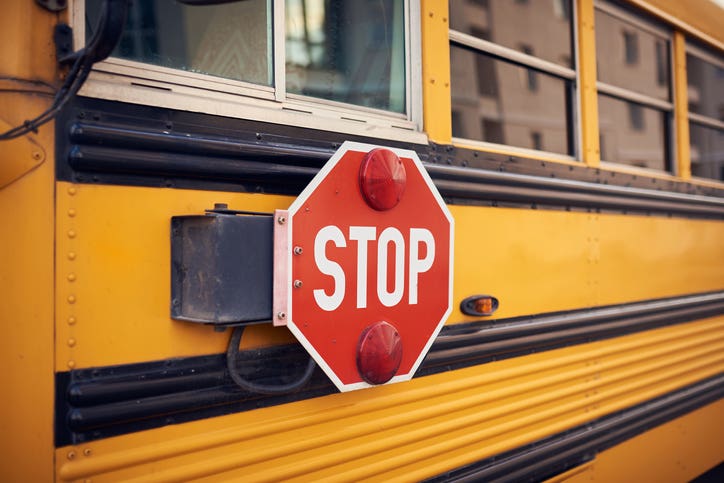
[
  {"x": 543, "y": 24},
  {"x": 347, "y": 50},
  {"x": 632, "y": 58},
  {"x": 632, "y": 134},
  {"x": 707, "y": 151},
  {"x": 232, "y": 40},
  {"x": 499, "y": 102},
  {"x": 706, "y": 87}
]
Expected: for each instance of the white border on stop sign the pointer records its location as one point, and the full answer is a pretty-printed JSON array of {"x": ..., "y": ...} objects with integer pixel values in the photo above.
[{"x": 282, "y": 297}]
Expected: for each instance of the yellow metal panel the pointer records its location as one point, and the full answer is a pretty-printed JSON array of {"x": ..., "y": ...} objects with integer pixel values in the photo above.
[
  {"x": 587, "y": 78},
  {"x": 113, "y": 267},
  {"x": 113, "y": 275},
  {"x": 436, "y": 70},
  {"x": 413, "y": 430},
  {"x": 677, "y": 451},
  {"x": 26, "y": 252},
  {"x": 681, "y": 107}
]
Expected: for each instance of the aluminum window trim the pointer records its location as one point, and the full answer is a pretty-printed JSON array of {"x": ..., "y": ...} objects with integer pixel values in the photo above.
[
  {"x": 510, "y": 149},
  {"x": 505, "y": 53},
  {"x": 706, "y": 121},
  {"x": 633, "y": 96},
  {"x": 704, "y": 55},
  {"x": 632, "y": 19}
]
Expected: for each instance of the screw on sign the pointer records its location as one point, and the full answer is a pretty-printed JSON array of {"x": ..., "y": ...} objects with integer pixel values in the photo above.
[{"x": 363, "y": 265}]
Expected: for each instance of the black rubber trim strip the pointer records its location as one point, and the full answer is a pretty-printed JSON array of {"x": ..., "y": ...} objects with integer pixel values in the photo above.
[
  {"x": 115, "y": 143},
  {"x": 108, "y": 401},
  {"x": 551, "y": 456}
]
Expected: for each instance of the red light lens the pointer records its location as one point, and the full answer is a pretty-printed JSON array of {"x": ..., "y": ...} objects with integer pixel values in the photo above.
[
  {"x": 379, "y": 353},
  {"x": 382, "y": 179}
]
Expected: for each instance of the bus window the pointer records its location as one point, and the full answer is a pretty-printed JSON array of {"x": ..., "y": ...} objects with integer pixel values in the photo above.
[
  {"x": 347, "y": 51},
  {"x": 634, "y": 87},
  {"x": 512, "y": 76},
  {"x": 705, "y": 75},
  {"x": 314, "y": 56},
  {"x": 232, "y": 40}
]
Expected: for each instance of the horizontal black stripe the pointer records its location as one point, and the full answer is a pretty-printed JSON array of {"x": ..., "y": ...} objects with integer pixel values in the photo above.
[
  {"x": 549, "y": 457},
  {"x": 102, "y": 402},
  {"x": 107, "y": 142}
]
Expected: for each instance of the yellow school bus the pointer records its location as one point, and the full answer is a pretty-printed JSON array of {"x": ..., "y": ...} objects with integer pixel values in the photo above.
[{"x": 578, "y": 145}]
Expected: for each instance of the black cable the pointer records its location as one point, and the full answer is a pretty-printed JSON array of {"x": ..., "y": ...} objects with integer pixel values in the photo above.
[
  {"x": 232, "y": 355},
  {"x": 105, "y": 37}
]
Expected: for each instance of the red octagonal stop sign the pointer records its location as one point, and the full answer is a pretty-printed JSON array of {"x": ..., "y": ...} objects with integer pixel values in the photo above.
[{"x": 363, "y": 265}]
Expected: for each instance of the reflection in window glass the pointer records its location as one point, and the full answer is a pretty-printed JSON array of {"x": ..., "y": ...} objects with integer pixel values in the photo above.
[
  {"x": 495, "y": 104},
  {"x": 632, "y": 58},
  {"x": 547, "y": 25},
  {"x": 347, "y": 51},
  {"x": 707, "y": 151},
  {"x": 706, "y": 87},
  {"x": 645, "y": 146},
  {"x": 231, "y": 40}
]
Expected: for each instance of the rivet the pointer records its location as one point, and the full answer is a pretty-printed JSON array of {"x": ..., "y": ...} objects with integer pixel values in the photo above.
[
  {"x": 71, "y": 320},
  {"x": 281, "y": 315},
  {"x": 71, "y": 233},
  {"x": 71, "y": 455},
  {"x": 447, "y": 84},
  {"x": 298, "y": 250},
  {"x": 444, "y": 19},
  {"x": 432, "y": 81},
  {"x": 36, "y": 155},
  {"x": 71, "y": 277},
  {"x": 87, "y": 452},
  {"x": 71, "y": 299},
  {"x": 430, "y": 14},
  {"x": 72, "y": 191},
  {"x": 297, "y": 284},
  {"x": 71, "y": 364},
  {"x": 71, "y": 212},
  {"x": 71, "y": 256},
  {"x": 281, "y": 220},
  {"x": 71, "y": 342}
]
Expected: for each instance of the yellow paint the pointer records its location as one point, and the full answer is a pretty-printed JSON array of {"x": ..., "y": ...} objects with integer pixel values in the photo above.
[
  {"x": 587, "y": 78},
  {"x": 681, "y": 107},
  {"x": 414, "y": 430},
  {"x": 699, "y": 18},
  {"x": 113, "y": 267},
  {"x": 113, "y": 275},
  {"x": 436, "y": 70},
  {"x": 26, "y": 252},
  {"x": 677, "y": 451},
  {"x": 18, "y": 156}
]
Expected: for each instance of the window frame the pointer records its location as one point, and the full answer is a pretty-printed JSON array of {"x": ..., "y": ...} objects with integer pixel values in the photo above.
[
  {"x": 623, "y": 94},
  {"x": 701, "y": 119},
  {"x": 141, "y": 83},
  {"x": 457, "y": 38}
]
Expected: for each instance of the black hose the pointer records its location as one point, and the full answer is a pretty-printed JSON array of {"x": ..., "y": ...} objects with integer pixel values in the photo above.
[{"x": 232, "y": 354}]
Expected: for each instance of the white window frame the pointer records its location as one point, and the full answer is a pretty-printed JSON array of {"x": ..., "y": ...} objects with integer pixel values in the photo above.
[
  {"x": 547, "y": 67},
  {"x": 627, "y": 95},
  {"x": 140, "y": 83}
]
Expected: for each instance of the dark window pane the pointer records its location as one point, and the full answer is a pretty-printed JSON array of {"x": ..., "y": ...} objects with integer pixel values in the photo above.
[
  {"x": 707, "y": 151},
  {"x": 547, "y": 25},
  {"x": 706, "y": 87},
  {"x": 632, "y": 58},
  {"x": 347, "y": 51},
  {"x": 231, "y": 40},
  {"x": 510, "y": 111},
  {"x": 643, "y": 146}
]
